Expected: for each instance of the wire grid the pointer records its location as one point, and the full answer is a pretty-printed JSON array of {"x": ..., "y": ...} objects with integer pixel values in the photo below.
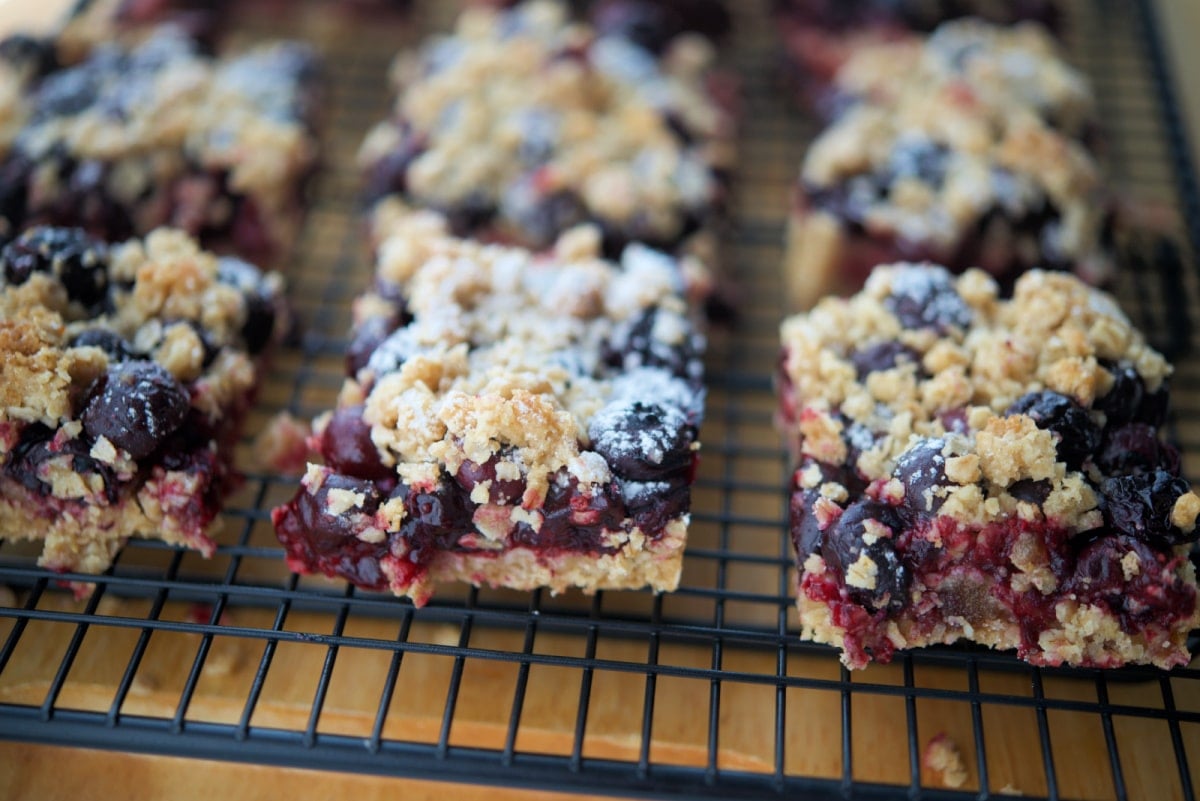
[{"x": 706, "y": 692}]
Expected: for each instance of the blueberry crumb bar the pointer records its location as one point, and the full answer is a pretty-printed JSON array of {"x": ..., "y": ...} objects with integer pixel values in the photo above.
[
  {"x": 124, "y": 373},
  {"x": 135, "y": 137},
  {"x": 572, "y": 125},
  {"x": 513, "y": 419},
  {"x": 972, "y": 468},
  {"x": 945, "y": 174}
]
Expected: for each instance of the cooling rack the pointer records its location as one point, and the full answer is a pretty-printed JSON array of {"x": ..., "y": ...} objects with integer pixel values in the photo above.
[{"x": 706, "y": 692}]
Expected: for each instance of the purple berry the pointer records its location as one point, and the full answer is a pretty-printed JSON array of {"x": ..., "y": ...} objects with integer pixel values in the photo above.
[
  {"x": 925, "y": 297},
  {"x": 635, "y": 346},
  {"x": 921, "y": 159},
  {"x": 329, "y": 530},
  {"x": 574, "y": 520},
  {"x": 435, "y": 519},
  {"x": 1030, "y": 491},
  {"x": 1123, "y": 399},
  {"x": 1140, "y": 505},
  {"x": 843, "y": 546},
  {"x": 261, "y": 303},
  {"x": 112, "y": 343},
  {"x": 501, "y": 490},
  {"x": 922, "y": 471},
  {"x": 79, "y": 262},
  {"x": 1136, "y": 448},
  {"x": 643, "y": 441},
  {"x": 36, "y": 448},
  {"x": 367, "y": 337},
  {"x": 882, "y": 356},
  {"x": 1078, "y": 436},
  {"x": 1153, "y": 409},
  {"x": 649, "y": 25},
  {"x": 347, "y": 447},
  {"x": 136, "y": 405}
]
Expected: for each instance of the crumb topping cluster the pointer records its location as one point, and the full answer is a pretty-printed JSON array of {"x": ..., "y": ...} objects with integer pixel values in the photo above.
[{"x": 595, "y": 123}]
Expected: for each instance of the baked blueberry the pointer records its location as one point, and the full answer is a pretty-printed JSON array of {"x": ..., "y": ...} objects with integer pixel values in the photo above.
[
  {"x": 927, "y": 299},
  {"x": 642, "y": 441},
  {"x": 1140, "y": 505},
  {"x": 79, "y": 262},
  {"x": 1077, "y": 436},
  {"x": 136, "y": 405},
  {"x": 922, "y": 471},
  {"x": 112, "y": 343}
]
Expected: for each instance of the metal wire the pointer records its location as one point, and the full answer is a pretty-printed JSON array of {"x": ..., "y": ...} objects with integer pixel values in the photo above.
[{"x": 724, "y": 645}]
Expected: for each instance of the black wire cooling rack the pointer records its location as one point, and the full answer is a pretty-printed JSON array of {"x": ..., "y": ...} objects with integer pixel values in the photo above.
[{"x": 706, "y": 692}]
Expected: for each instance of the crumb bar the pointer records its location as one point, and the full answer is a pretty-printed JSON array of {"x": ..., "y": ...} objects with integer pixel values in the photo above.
[
  {"x": 986, "y": 470},
  {"x": 513, "y": 419},
  {"x": 124, "y": 373},
  {"x": 134, "y": 138},
  {"x": 820, "y": 35},
  {"x": 570, "y": 126},
  {"x": 943, "y": 175},
  {"x": 997, "y": 65}
]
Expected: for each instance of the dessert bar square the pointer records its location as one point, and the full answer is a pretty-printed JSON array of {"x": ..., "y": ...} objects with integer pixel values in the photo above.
[
  {"x": 948, "y": 174},
  {"x": 138, "y": 137},
  {"x": 513, "y": 419},
  {"x": 996, "y": 66},
  {"x": 124, "y": 373},
  {"x": 570, "y": 126},
  {"x": 986, "y": 470}
]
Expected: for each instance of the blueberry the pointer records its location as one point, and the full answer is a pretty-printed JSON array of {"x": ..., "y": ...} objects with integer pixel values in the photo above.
[
  {"x": 367, "y": 337},
  {"x": 653, "y": 505},
  {"x": 650, "y": 25},
  {"x": 643, "y": 441},
  {"x": 551, "y": 215},
  {"x": 1136, "y": 448},
  {"x": 1153, "y": 409},
  {"x": 501, "y": 490},
  {"x": 634, "y": 345},
  {"x": 136, "y": 405},
  {"x": 843, "y": 545},
  {"x": 329, "y": 530},
  {"x": 1100, "y": 571},
  {"x": 434, "y": 519},
  {"x": 882, "y": 356},
  {"x": 575, "y": 520},
  {"x": 922, "y": 471},
  {"x": 68, "y": 92},
  {"x": 1035, "y": 492},
  {"x": 347, "y": 446},
  {"x": 1123, "y": 399},
  {"x": 389, "y": 174},
  {"x": 79, "y": 262},
  {"x": 261, "y": 303},
  {"x": 112, "y": 343},
  {"x": 921, "y": 159},
  {"x": 925, "y": 297},
  {"x": 1078, "y": 436},
  {"x": 29, "y": 55},
  {"x": 1140, "y": 505},
  {"x": 36, "y": 448}
]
